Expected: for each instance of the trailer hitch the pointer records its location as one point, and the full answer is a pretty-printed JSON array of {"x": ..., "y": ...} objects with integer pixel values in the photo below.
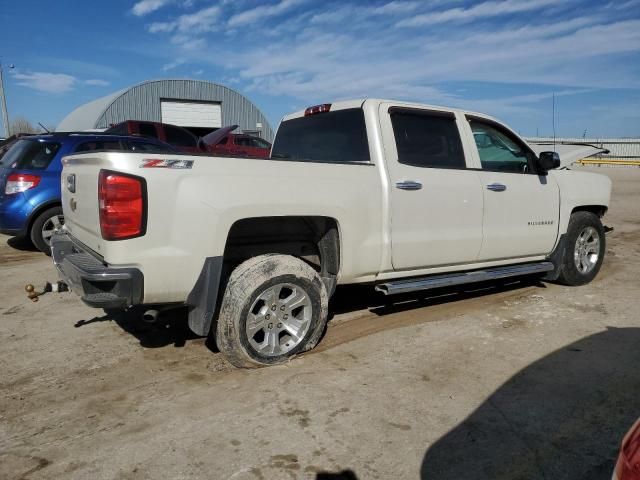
[{"x": 56, "y": 287}]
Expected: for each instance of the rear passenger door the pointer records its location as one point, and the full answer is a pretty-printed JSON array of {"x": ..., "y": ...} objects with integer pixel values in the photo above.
[
  {"x": 436, "y": 201},
  {"x": 521, "y": 206}
]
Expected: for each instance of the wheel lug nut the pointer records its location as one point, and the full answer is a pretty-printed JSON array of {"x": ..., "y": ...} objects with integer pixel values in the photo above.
[
  {"x": 282, "y": 308},
  {"x": 273, "y": 307},
  {"x": 270, "y": 326},
  {"x": 267, "y": 316},
  {"x": 285, "y": 316},
  {"x": 279, "y": 325}
]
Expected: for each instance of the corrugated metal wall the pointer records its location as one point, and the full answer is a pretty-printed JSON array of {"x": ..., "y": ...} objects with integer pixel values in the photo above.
[
  {"x": 142, "y": 102},
  {"x": 618, "y": 147}
]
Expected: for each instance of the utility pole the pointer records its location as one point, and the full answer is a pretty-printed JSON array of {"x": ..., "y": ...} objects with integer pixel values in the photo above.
[{"x": 3, "y": 104}]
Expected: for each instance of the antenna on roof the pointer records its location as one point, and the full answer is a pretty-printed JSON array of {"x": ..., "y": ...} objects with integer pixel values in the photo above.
[
  {"x": 44, "y": 128},
  {"x": 553, "y": 120}
]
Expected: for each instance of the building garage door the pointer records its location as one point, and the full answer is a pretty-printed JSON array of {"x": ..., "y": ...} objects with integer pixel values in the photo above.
[{"x": 191, "y": 114}]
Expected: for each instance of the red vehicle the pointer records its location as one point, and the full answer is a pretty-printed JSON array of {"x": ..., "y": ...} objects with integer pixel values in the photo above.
[
  {"x": 219, "y": 142},
  {"x": 243, "y": 145},
  {"x": 179, "y": 137},
  {"x": 628, "y": 465}
]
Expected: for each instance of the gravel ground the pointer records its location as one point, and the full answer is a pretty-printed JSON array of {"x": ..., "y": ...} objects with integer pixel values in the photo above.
[{"x": 524, "y": 380}]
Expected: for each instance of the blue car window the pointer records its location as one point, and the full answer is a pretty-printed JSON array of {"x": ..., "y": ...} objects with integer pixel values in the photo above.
[{"x": 30, "y": 155}]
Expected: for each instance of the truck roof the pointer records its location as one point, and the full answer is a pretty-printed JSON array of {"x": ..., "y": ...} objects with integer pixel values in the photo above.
[{"x": 358, "y": 103}]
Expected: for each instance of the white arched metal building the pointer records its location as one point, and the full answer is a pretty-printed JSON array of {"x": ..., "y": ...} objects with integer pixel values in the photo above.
[{"x": 194, "y": 104}]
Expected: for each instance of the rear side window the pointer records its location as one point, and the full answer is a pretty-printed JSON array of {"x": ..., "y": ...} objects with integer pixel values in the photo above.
[
  {"x": 98, "y": 145},
  {"x": 147, "y": 130},
  {"x": 338, "y": 136},
  {"x": 178, "y": 136},
  {"x": 259, "y": 143},
  {"x": 427, "y": 139},
  {"x": 30, "y": 155},
  {"x": 244, "y": 141}
]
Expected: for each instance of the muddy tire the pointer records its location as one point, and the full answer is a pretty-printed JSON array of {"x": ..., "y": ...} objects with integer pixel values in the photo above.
[
  {"x": 584, "y": 249},
  {"x": 274, "y": 307},
  {"x": 43, "y": 227}
]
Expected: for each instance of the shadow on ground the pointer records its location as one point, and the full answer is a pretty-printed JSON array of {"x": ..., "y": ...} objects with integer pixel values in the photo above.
[
  {"x": 172, "y": 328},
  {"x": 563, "y": 416},
  {"x": 349, "y": 298},
  {"x": 22, "y": 244}
]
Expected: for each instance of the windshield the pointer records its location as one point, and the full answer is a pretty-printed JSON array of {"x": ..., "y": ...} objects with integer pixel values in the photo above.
[
  {"x": 339, "y": 136},
  {"x": 30, "y": 155}
]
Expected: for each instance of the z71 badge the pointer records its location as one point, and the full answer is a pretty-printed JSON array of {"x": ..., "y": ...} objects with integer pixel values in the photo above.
[{"x": 160, "y": 163}]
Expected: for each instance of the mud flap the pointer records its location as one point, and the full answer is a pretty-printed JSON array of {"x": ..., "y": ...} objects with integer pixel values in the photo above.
[
  {"x": 556, "y": 257},
  {"x": 203, "y": 297}
]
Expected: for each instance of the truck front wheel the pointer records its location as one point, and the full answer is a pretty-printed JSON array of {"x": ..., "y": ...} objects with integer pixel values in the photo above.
[
  {"x": 584, "y": 249},
  {"x": 274, "y": 307}
]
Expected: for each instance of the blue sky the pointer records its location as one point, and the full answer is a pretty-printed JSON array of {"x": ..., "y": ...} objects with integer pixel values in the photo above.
[{"x": 502, "y": 57}]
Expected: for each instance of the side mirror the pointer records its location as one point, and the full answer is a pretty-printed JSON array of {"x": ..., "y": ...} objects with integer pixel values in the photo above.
[{"x": 549, "y": 160}]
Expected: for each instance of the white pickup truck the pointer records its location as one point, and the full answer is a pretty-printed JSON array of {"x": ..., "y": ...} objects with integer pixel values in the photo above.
[{"x": 401, "y": 196}]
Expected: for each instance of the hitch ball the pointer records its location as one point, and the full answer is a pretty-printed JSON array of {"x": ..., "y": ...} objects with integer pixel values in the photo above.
[{"x": 58, "y": 287}]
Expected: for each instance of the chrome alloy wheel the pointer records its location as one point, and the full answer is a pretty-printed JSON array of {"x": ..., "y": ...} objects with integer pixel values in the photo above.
[
  {"x": 50, "y": 226},
  {"x": 279, "y": 319},
  {"x": 587, "y": 250}
]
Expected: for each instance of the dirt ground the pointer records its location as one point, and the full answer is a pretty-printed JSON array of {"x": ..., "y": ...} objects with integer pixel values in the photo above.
[{"x": 524, "y": 380}]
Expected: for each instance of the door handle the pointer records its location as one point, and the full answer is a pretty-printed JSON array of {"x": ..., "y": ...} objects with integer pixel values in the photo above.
[
  {"x": 408, "y": 185},
  {"x": 497, "y": 187}
]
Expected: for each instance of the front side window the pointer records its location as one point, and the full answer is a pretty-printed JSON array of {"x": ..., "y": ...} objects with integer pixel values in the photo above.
[
  {"x": 178, "y": 136},
  {"x": 498, "y": 150},
  {"x": 338, "y": 136},
  {"x": 426, "y": 139},
  {"x": 30, "y": 155}
]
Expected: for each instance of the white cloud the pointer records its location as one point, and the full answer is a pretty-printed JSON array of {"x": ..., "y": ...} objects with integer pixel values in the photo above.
[
  {"x": 144, "y": 7},
  {"x": 96, "y": 82},
  {"x": 171, "y": 65},
  {"x": 262, "y": 12},
  {"x": 506, "y": 66},
  {"x": 492, "y": 8},
  {"x": 45, "y": 81},
  {"x": 189, "y": 43},
  {"x": 198, "y": 22},
  {"x": 395, "y": 7}
]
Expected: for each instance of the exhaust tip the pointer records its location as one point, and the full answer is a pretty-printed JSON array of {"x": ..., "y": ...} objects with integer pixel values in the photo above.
[
  {"x": 150, "y": 316},
  {"x": 383, "y": 287}
]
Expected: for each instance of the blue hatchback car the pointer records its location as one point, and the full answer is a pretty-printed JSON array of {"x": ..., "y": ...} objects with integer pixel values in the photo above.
[{"x": 30, "y": 204}]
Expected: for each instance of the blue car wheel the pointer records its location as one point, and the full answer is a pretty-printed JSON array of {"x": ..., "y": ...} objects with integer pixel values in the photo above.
[{"x": 44, "y": 226}]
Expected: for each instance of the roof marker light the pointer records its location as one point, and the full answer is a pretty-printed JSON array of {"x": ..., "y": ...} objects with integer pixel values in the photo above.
[{"x": 323, "y": 108}]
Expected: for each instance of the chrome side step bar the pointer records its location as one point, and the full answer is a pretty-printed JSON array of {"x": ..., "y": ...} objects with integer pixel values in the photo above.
[{"x": 450, "y": 279}]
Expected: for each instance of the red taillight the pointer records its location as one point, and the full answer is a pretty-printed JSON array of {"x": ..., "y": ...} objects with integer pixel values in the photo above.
[
  {"x": 20, "y": 182},
  {"x": 325, "y": 107},
  {"x": 122, "y": 205}
]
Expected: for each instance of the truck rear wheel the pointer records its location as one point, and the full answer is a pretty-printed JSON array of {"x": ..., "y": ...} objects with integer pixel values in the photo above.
[
  {"x": 584, "y": 249},
  {"x": 274, "y": 307}
]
